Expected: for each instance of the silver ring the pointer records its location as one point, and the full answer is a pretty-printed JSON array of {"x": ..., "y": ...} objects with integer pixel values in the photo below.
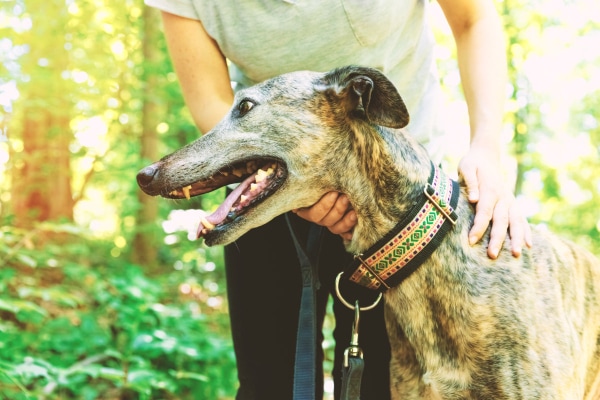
[{"x": 350, "y": 306}]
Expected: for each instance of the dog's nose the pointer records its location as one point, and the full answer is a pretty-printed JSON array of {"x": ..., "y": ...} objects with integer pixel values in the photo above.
[{"x": 146, "y": 176}]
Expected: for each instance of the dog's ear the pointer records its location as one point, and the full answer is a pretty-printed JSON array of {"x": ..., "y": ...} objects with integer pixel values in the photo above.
[{"x": 367, "y": 93}]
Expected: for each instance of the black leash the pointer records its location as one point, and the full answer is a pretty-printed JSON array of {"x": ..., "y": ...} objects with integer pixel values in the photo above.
[{"x": 306, "y": 340}]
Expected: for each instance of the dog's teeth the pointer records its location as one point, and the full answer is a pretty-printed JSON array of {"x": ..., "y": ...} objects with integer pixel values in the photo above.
[
  {"x": 251, "y": 167},
  {"x": 207, "y": 224},
  {"x": 173, "y": 193},
  {"x": 238, "y": 172},
  {"x": 274, "y": 166},
  {"x": 253, "y": 187},
  {"x": 225, "y": 173},
  {"x": 243, "y": 198},
  {"x": 269, "y": 171},
  {"x": 261, "y": 175},
  {"x": 186, "y": 191}
]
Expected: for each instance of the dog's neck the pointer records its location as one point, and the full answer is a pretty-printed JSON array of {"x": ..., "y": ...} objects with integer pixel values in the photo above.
[
  {"x": 389, "y": 195},
  {"x": 414, "y": 238},
  {"x": 407, "y": 181},
  {"x": 394, "y": 179}
]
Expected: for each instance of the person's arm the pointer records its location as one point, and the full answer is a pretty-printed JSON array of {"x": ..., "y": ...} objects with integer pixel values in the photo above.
[
  {"x": 201, "y": 69},
  {"x": 480, "y": 45}
]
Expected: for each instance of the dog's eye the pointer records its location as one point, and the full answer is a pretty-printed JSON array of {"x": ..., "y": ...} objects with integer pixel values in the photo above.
[{"x": 244, "y": 107}]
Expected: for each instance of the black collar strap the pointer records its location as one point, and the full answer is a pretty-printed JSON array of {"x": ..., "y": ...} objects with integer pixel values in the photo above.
[{"x": 393, "y": 258}]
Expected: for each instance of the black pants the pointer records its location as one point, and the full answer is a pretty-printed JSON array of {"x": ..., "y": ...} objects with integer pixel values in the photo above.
[{"x": 263, "y": 286}]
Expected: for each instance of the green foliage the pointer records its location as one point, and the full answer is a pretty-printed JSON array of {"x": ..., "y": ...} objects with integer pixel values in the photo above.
[{"x": 77, "y": 326}]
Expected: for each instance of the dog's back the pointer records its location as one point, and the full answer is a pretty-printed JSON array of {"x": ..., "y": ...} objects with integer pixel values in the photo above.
[{"x": 576, "y": 317}]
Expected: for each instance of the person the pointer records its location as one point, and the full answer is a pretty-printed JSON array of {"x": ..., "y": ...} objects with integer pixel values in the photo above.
[{"x": 215, "y": 43}]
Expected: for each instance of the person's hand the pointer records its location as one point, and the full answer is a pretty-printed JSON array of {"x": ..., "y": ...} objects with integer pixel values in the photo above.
[
  {"x": 495, "y": 203},
  {"x": 332, "y": 211}
]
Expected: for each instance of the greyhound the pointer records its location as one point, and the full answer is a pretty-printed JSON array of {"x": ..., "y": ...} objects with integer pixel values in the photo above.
[{"x": 460, "y": 325}]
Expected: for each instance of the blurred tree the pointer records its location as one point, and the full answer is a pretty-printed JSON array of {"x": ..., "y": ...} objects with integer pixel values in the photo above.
[
  {"x": 41, "y": 177},
  {"x": 145, "y": 242}
]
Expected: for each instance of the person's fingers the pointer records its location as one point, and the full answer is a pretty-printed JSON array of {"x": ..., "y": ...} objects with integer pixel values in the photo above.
[
  {"x": 332, "y": 211},
  {"x": 519, "y": 230},
  {"x": 500, "y": 221},
  {"x": 336, "y": 214},
  {"x": 484, "y": 212},
  {"x": 320, "y": 209},
  {"x": 468, "y": 172},
  {"x": 344, "y": 226}
]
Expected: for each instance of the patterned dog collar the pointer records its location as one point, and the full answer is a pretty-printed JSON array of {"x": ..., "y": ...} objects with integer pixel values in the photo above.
[{"x": 393, "y": 258}]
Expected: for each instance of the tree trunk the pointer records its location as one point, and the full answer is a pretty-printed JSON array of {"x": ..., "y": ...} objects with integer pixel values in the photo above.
[
  {"x": 145, "y": 243},
  {"x": 41, "y": 177}
]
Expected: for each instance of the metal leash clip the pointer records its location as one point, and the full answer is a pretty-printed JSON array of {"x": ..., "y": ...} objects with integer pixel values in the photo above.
[{"x": 354, "y": 350}]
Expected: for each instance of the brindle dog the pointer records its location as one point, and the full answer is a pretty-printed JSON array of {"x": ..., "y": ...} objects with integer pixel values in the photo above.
[{"x": 461, "y": 326}]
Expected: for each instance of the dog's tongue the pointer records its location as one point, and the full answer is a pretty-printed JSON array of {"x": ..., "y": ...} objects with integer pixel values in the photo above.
[{"x": 207, "y": 222}]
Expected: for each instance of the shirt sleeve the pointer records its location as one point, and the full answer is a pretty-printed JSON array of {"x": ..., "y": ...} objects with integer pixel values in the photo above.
[{"x": 183, "y": 8}]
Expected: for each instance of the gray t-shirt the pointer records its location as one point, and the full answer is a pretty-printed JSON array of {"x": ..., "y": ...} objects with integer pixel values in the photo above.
[{"x": 264, "y": 38}]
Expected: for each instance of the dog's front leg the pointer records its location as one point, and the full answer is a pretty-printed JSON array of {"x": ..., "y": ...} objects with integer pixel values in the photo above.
[{"x": 406, "y": 376}]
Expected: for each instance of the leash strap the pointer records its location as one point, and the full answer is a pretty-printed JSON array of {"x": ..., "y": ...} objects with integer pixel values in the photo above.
[
  {"x": 354, "y": 364},
  {"x": 306, "y": 340},
  {"x": 351, "y": 378}
]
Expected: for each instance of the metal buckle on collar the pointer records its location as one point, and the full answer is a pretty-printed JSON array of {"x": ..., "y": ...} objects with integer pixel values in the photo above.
[
  {"x": 370, "y": 269},
  {"x": 429, "y": 192}
]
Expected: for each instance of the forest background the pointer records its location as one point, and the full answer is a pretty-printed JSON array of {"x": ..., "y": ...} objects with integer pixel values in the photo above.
[{"x": 102, "y": 294}]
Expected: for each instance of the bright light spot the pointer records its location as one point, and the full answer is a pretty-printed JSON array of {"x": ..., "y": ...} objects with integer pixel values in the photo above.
[
  {"x": 95, "y": 211},
  {"x": 183, "y": 221},
  {"x": 185, "y": 288},
  {"x": 528, "y": 205},
  {"x": 112, "y": 102},
  {"x": 17, "y": 145},
  {"x": 171, "y": 239},
  {"x": 3, "y": 155},
  {"x": 573, "y": 193},
  {"x": 135, "y": 12},
  {"x": 160, "y": 334},
  {"x": 212, "y": 286},
  {"x": 178, "y": 265},
  {"x": 79, "y": 76},
  {"x": 161, "y": 128},
  {"x": 209, "y": 266},
  {"x": 118, "y": 49},
  {"x": 8, "y": 94},
  {"x": 91, "y": 133},
  {"x": 328, "y": 386},
  {"x": 214, "y": 302},
  {"x": 129, "y": 221},
  {"x": 190, "y": 351},
  {"x": 74, "y": 8},
  {"x": 120, "y": 242},
  {"x": 5, "y": 197},
  {"x": 555, "y": 153}
]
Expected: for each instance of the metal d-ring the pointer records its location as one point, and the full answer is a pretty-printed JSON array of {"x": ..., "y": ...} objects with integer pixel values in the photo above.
[{"x": 346, "y": 303}]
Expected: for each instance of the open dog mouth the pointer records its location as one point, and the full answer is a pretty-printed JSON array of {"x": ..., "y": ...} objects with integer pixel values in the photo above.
[{"x": 257, "y": 178}]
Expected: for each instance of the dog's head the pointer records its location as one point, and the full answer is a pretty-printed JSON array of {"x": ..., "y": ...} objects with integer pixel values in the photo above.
[{"x": 284, "y": 141}]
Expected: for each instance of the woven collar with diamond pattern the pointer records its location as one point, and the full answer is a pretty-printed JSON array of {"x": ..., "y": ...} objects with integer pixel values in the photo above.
[{"x": 393, "y": 258}]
